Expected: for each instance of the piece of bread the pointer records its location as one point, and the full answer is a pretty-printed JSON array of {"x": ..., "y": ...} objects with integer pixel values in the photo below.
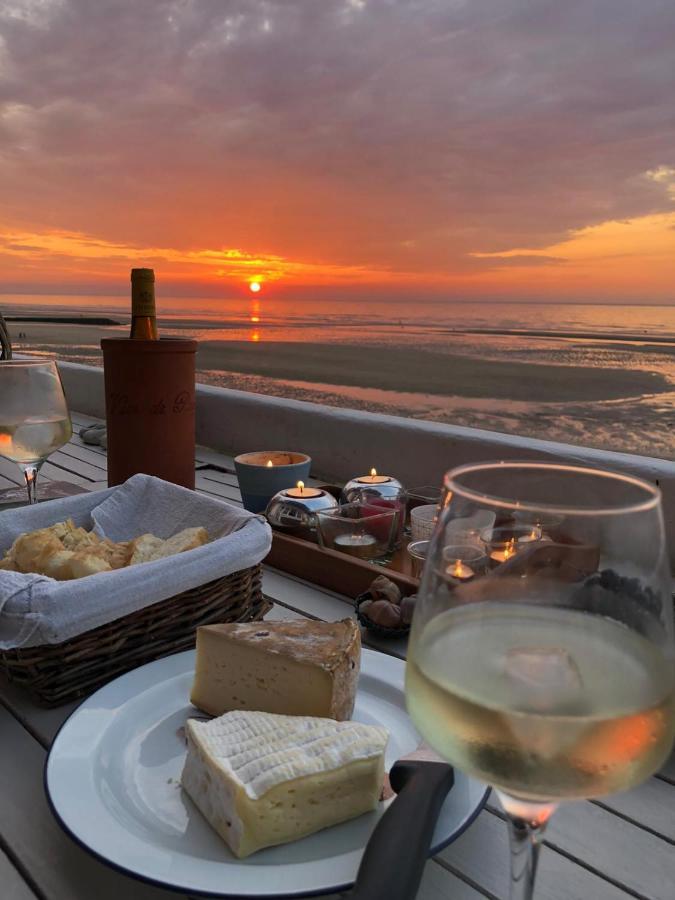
[
  {"x": 83, "y": 564},
  {"x": 32, "y": 551},
  {"x": 58, "y": 565},
  {"x": 188, "y": 539},
  {"x": 118, "y": 555},
  {"x": 64, "y": 550},
  {"x": 143, "y": 547}
]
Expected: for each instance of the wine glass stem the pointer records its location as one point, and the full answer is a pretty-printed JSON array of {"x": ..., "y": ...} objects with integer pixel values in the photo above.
[
  {"x": 527, "y": 823},
  {"x": 30, "y": 473}
]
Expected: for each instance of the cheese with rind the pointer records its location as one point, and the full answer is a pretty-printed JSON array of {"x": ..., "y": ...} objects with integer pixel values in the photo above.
[
  {"x": 262, "y": 779},
  {"x": 302, "y": 668}
]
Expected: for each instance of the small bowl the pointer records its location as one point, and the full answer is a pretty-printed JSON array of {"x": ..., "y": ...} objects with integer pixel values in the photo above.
[{"x": 383, "y": 630}]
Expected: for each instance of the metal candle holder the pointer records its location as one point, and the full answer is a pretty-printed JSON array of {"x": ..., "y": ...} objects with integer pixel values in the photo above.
[
  {"x": 378, "y": 490},
  {"x": 294, "y": 513}
]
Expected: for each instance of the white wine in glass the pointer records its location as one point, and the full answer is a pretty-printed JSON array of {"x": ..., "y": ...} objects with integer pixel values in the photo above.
[
  {"x": 549, "y": 673},
  {"x": 34, "y": 419}
]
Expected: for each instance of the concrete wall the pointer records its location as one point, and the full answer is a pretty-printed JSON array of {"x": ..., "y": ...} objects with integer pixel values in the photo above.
[{"x": 344, "y": 442}]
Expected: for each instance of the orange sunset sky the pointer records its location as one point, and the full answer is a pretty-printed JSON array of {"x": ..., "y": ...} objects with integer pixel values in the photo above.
[{"x": 449, "y": 148}]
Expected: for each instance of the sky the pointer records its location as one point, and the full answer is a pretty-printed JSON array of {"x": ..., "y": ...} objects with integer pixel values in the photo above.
[{"x": 384, "y": 148}]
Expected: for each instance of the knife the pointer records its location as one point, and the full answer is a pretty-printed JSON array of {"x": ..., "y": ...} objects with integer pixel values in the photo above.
[{"x": 394, "y": 859}]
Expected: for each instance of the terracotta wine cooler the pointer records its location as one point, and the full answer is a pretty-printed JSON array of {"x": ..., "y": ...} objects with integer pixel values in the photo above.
[{"x": 150, "y": 408}]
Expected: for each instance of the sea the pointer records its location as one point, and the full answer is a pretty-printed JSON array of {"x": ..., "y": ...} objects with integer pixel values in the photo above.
[{"x": 621, "y": 409}]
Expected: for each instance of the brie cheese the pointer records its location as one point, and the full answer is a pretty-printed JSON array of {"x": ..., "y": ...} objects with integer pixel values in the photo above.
[{"x": 262, "y": 779}]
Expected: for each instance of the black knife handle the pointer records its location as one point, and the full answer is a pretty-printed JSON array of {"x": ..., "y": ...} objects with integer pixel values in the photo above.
[{"x": 395, "y": 856}]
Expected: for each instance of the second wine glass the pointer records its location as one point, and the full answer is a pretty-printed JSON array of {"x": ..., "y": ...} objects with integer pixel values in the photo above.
[{"x": 34, "y": 419}]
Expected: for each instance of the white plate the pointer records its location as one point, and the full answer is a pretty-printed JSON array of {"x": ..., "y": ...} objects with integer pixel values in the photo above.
[{"x": 112, "y": 778}]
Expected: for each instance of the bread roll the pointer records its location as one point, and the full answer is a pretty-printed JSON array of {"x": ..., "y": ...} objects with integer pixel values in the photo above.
[{"x": 188, "y": 539}]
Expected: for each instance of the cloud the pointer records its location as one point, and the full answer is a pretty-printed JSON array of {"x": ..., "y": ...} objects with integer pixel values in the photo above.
[{"x": 386, "y": 135}]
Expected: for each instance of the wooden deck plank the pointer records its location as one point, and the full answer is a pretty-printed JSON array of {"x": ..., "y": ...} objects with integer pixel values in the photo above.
[
  {"x": 10, "y": 471},
  {"x": 482, "y": 855},
  {"x": 77, "y": 466},
  {"x": 652, "y": 805},
  {"x": 632, "y": 857},
  {"x": 13, "y": 885},
  {"x": 83, "y": 453}
]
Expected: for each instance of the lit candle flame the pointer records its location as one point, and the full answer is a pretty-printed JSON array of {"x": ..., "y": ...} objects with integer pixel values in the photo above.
[
  {"x": 269, "y": 463},
  {"x": 457, "y": 571},
  {"x": 373, "y": 472},
  {"x": 300, "y": 486},
  {"x": 510, "y": 549}
]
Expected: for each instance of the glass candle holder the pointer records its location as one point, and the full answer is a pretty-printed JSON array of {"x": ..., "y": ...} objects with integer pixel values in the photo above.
[
  {"x": 359, "y": 529},
  {"x": 423, "y": 521},
  {"x": 463, "y": 562},
  {"x": 423, "y": 495},
  {"x": 379, "y": 490},
  {"x": 294, "y": 510},
  {"x": 417, "y": 551},
  {"x": 504, "y": 542}
]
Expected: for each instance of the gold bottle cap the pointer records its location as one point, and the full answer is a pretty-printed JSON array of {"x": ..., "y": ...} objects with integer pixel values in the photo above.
[{"x": 142, "y": 274}]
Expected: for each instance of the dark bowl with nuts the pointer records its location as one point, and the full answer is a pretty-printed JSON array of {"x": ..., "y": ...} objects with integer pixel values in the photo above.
[{"x": 383, "y": 610}]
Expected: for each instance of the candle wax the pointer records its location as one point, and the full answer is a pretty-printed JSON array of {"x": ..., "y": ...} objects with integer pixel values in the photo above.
[
  {"x": 503, "y": 555},
  {"x": 459, "y": 570},
  {"x": 304, "y": 493},
  {"x": 361, "y": 545},
  {"x": 373, "y": 479}
]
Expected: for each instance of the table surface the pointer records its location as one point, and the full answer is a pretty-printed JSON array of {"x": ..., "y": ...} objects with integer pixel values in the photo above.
[{"x": 612, "y": 849}]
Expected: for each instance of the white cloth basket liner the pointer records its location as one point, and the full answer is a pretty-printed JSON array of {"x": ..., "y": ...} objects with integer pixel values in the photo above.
[{"x": 36, "y": 610}]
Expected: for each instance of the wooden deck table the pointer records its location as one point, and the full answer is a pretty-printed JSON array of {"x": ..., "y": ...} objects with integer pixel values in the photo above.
[{"x": 613, "y": 849}]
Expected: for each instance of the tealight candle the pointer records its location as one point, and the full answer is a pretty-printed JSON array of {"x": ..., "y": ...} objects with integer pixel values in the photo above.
[
  {"x": 509, "y": 551},
  {"x": 462, "y": 562},
  {"x": 361, "y": 545},
  {"x": 459, "y": 570},
  {"x": 302, "y": 492},
  {"x": 533, "y": 535},
  {"x": 373, "y": 478}
]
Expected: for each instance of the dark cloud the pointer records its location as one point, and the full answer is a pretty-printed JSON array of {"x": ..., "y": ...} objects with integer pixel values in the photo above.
[{"x": 405, "y": 134}]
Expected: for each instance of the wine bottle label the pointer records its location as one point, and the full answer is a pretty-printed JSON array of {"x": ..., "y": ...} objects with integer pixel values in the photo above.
[{"x": 143, "y": 301}]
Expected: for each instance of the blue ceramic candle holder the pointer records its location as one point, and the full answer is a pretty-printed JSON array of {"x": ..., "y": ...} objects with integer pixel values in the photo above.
[{"x": 264, "y": 473}]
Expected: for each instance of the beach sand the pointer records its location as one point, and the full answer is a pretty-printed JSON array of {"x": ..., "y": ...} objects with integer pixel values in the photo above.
[{"x": 621, "y": 403}]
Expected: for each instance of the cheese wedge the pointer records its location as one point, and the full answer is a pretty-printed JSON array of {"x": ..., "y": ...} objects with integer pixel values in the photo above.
[
  {"x": 298, "y": 668},
  {"x": 261, "y": 779}
]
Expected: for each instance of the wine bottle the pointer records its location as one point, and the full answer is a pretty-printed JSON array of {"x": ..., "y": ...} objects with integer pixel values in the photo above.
[{"x": 143, "y": 316}]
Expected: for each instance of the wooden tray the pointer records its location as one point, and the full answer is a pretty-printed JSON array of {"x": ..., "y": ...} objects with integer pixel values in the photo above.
[{"x": 334, "y": 570}]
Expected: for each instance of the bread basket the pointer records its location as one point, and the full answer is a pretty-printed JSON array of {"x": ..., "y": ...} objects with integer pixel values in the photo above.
[{"x": 61, "y": 640}]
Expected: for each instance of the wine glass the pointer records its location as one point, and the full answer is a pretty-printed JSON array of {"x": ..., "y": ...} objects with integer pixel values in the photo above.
[
  {"x": 34, "y": 419},
  {"x": 546, "y": 671}
]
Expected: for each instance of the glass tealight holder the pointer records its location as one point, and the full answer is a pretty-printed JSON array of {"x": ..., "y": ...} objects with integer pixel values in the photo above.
[
  {"x": 504, "y": 542},
  {"x": 463, "y": 562},
  {"x": 362, "y": 530},
  {"x": 423, "y": 495},
  {"x": 417, "y": 551},
  {"x": 294, "y": 510},
  {"x": 379, "y": 490},
  {"x": 423, "y": 521}
]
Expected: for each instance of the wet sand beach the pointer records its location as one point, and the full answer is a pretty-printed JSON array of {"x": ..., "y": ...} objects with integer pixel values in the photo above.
[{"x": 606, "y": 393}]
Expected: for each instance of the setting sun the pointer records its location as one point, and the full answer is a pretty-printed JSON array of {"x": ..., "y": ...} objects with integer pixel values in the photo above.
[{"x": 254, "y": 286}]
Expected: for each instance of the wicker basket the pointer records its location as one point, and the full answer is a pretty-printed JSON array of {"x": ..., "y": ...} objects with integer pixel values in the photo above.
[{"x": 57, "y": 673}]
